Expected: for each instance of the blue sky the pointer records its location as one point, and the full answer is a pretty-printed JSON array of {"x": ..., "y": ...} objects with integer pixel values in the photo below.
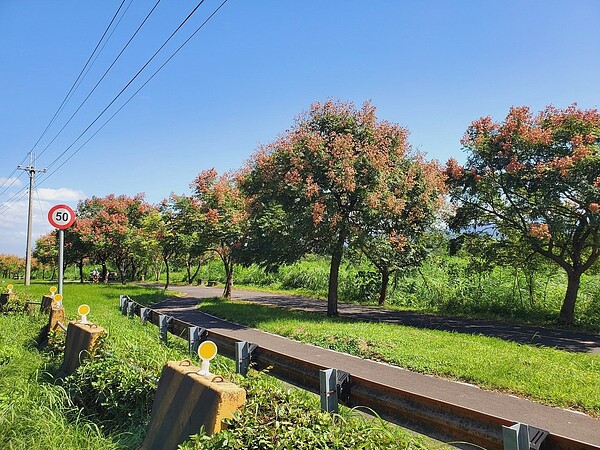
[{"x": 431, "y": 66}]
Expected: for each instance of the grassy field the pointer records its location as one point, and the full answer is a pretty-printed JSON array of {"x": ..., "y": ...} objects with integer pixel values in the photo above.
[
  {"x": 449, "y": 285},
  {"x": 106, "y": 403},
  {"x": 546, "y": 375}
]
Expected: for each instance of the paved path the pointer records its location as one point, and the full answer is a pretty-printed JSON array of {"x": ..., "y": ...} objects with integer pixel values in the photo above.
[
  {"x": 558, "y": 421},
  {"x": 524, "y": 334}
]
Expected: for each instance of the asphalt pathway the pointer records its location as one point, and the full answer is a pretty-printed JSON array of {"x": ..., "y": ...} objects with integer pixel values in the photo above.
[
  {"x": 524, "y": 334},
  {"x": 559, "y": 422}
]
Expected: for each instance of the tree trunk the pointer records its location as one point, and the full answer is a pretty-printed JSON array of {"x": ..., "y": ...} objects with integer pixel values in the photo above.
[
  {"x": 567, "y": 312},
  {"x": 167, "y": 273},
  {"x": 188, "y": 269},
  {"x": 158, "y": 268},
  {"x": 133, "y": 270},
  {"x": 104, "y": 272},
  {"x": 195, "y": 274},
  {"x": 334, "y": 272},
  {"x": 80, "y": 265},
  {"x": 228, "y": 279},
  {"x": 385, "y": 280}
]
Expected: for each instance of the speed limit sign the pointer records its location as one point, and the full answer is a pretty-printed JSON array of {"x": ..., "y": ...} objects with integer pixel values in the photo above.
[{"x": 61, "y": 216}]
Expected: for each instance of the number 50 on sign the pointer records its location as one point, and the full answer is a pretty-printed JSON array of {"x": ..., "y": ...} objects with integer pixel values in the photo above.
[{"x": 61, "y": 217}]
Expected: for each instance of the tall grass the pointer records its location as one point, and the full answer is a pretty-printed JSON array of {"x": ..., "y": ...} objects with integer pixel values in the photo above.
[
  {"x": 106, "y": 403},
  {"x": 34, "y": 414},
  {"x": 444, "y": 284}
]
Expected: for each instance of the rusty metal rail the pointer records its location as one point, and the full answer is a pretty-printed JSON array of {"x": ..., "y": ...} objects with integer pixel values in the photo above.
[{"x": 419, "y": 412}]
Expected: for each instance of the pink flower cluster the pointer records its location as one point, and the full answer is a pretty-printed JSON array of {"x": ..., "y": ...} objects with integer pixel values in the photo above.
[{"x": 540, "y": 231}]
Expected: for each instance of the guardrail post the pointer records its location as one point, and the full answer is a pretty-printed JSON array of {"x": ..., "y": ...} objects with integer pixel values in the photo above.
[
  {"x": 195, "y": 336},
  {"x": 328, "y": 390},
  {"x": 123, "y": 302},
  {"x": 243, "y": 356},
  {"x": 515, "y": 437},
  {"x": 144, "y": 314},
  {"x": 163, "y": 324},
  {"x": 131, "y": 308}
]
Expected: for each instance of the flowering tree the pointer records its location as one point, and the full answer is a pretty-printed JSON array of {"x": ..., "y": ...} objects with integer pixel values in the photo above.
[
  {"x": 46, "y": 251},
  {"x": 11, "y": 265},
  {"x": 113, "y": 226},
  {"x": 536, "y": 180},
  {"x": 338, "y": 173},
  {"x": 224, "y": 218}
]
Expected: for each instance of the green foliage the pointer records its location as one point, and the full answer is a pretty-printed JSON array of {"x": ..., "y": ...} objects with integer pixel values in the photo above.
[
  {"x": 338, "y": 175},
  {"x": 466, "y": 284},
  {"x": 278, "y": 418},
  {"x": 105, "y": 403},
  {"x": 224, "y": 218},
  {"x": 15, "y": 303},
  {"x": 112, "y": 229},
  {"x": 535, "y": 181},
  {"x": 180, "y": 234},
  {"x": 36, "y": 414},
  {"x": 112, "y": 391}
]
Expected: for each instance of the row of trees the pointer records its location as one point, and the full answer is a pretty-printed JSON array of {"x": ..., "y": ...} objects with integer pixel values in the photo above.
[
  {"x": 340, "y": 180},
  {"x": 11, "y": 266}
]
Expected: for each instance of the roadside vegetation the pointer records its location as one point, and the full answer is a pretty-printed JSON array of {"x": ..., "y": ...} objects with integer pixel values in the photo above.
[
  {"x": 342, "y": 207},
  {"x": 106, "y": 403},
  {"x": 515, "y": 232},
  {"x": 453, "y": 285},
  {"x": 553, "y": 377}
]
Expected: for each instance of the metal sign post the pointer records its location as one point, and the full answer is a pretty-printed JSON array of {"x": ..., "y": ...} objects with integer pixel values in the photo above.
[
  {"x": 61, "y": 217},
  {"x": 61, "y": 254}
]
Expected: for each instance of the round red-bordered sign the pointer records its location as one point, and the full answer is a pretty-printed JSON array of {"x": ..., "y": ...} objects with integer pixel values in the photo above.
[{"x": 61, "y": 216}]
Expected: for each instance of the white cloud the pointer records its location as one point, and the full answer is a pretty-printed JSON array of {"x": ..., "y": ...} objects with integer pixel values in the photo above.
[
  {"x": 61, "y": 195},
  {"x": 13, "y": 217}
]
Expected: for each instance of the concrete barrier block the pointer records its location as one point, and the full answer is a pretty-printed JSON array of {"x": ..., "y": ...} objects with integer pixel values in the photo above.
[
  {"x": 6, "y": 298},
  {"x": 185, "y": 401},
  {"x": 81, "y": 343},
  {"x": 57, "y": 314}
]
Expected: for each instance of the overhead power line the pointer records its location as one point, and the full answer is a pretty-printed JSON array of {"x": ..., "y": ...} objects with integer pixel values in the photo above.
[
  {"x": 14, "y": 179},
  {"x": 21, "y": 193},
  {"x": 69, "y": 94},
  {"x": 15, "y": 198},
  {"x": 79, "y": 77},
  {"x": 134, "y": 94},
  {"x": 139, "y": 72},
  {"x": 101, "y": 78}
]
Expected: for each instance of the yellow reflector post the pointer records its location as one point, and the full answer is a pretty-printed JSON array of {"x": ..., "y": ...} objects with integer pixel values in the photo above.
[
  {"x": 83, "y": 311},
  {"x": 206, "y": 351}
]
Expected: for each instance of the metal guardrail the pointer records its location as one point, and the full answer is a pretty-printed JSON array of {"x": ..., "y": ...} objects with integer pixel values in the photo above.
[{"x": 419, "y": 412}]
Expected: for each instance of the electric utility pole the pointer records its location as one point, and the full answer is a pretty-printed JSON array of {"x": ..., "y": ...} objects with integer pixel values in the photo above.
[{"x": 32, "y": 171}]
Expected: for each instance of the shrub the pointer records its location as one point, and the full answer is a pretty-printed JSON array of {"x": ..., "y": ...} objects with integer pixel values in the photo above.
[{"x": 278, "y": 418}]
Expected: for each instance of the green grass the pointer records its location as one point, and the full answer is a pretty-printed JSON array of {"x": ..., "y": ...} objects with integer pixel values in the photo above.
[
  {"x": 550, "y": 376},
  {"x": 105, "y": 403},
  {"x": 449, "y": 285},
  {"x": 35, "y": 414}
]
